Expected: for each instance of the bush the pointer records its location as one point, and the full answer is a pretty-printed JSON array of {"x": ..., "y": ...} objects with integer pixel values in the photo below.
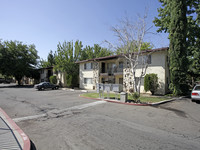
[
  {"x": 53, "y": 79},
  {"x": 134, "y": 95},
  {"x": 151, "y": 83}
]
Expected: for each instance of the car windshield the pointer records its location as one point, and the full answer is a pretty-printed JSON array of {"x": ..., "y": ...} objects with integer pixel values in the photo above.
[
  {"x": 42, "y": 83},
  {"x": 197, "y": 88}
]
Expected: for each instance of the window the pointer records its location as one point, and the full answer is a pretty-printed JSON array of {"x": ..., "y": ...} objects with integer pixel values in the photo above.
[
  {"x": 42, "y": 71},
  {"x": 120, "y": 64},
  {"x": 88, "y": 66},
  {"x": 197, "y": 88},
  {"x": 149, "y": 59},
  {"x": 111, "y": 65},
  {"x": 87, "y": 80},
  {"x": 120, "y": 80},
  {"x": 144, "y": 59}
]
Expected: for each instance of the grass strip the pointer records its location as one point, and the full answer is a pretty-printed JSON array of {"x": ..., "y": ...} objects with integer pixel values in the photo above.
[{"x": 144, "y": 99}]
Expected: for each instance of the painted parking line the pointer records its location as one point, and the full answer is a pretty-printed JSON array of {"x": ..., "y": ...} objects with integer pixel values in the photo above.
[
  {"x": 29, "y": 117},
  {"x": 56, "y": 112}
]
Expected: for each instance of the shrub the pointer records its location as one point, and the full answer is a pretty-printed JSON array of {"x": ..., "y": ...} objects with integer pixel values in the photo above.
[
  {"x": 53, "y": 79},
  {"x": 151, "y": 83},
  {"x": 134, "y": 95}
]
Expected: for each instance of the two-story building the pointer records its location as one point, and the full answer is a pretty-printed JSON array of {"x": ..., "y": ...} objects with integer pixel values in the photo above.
[
  {"x": 116, "y": 70},
  {"x": 45, "y": 74}
]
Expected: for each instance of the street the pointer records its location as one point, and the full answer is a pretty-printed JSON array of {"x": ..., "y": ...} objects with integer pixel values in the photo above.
[{"x": 61, "y": 120}]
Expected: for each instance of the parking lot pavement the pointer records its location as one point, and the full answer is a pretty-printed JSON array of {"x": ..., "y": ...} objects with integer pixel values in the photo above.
[{"x": 72, "y": 122}]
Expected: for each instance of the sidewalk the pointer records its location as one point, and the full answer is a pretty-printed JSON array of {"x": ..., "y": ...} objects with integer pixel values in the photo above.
[{"x": 11, "y": 136}]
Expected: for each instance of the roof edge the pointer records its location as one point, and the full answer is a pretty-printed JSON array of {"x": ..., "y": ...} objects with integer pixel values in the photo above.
[{"x": 113, "y": 56}]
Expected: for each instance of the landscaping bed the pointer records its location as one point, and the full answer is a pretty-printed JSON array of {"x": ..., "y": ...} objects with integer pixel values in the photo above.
[{"x": 143, "y": 98}]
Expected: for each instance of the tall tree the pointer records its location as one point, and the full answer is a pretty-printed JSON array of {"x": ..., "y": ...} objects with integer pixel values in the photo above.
[
  {"x": 180, "y": 18},
  {"x": 130, "y": 39},
  {"x": 94, "y": 52},
  {"x": 178, "y": 49},
  {"x": 144, "y": 46},
  {"x": 67, "y": 54},
  {"x": 50, "y": 60},
  {"x": 17, "y": 59}
]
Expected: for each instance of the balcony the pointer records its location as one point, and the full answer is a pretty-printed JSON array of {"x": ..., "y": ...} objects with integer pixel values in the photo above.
[{"x": 111, "y": 71}]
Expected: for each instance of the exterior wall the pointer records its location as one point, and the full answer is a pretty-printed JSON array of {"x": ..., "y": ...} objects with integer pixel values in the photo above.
[
  {"x": 44, "y": 74},
  {"x": 95, "y": 73},
  {"x": 61, "y": 79},
  {"x": 157, "y": 66},
  {"x": 85, "y": 74}
]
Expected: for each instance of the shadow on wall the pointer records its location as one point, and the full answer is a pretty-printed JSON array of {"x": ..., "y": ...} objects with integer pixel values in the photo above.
[
  {"x": 161, "y": 89},
  {"x": 81, "y": 79}
]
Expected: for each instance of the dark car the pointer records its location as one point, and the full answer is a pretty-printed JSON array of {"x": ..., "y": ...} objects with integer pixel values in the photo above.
[
  {"x": 6, "y": 81},
  {"x": 46, "y": 85}
]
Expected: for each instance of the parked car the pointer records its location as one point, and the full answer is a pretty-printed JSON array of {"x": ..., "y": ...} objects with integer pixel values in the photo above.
[
  {"x": 195, "y": 95},
  {"x": 46, "y": 85},
  {"x": 6, "y": 81}
]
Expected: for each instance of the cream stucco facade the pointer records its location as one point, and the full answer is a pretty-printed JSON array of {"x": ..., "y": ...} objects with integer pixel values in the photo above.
[
  {"x": 114, "y": 69},
  {"x": 85, "y": 74}
]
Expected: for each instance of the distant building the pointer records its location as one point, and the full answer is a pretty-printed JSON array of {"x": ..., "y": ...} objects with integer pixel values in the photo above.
[{"x": 45, "y": 74}]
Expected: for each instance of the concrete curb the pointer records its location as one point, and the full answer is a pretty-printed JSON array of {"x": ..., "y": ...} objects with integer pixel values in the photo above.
[
  {"x": 16, "y": 129},
  {"x": 136, "y": 104},
  {"x": 169, "y": 100}
]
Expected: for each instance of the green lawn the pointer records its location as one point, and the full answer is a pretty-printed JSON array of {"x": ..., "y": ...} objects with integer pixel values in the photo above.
[{"x": 144, "y": 99}]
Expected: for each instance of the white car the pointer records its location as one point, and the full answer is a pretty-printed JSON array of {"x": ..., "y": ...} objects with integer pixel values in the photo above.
[{"x": 195, "y": 95}]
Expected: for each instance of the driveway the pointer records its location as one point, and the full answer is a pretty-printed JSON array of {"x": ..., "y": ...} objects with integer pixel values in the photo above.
[{"x": 62, "y": 120}]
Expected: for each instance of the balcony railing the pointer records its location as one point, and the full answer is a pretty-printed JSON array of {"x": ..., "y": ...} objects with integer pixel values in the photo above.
[{"x": 112, "y": 71}]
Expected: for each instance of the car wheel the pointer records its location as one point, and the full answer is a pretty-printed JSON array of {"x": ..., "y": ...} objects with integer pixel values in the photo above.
[
  {"x": 193, "y": 100},
  {"x": 42, "y": 88},
  {"x": 56, "y": 88}
]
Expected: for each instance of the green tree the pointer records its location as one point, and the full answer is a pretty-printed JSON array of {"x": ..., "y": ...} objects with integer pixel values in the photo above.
[
  {"x": 50, "y": 60},
  {"x": 17, "y": 59},
  {"x": 94, "y": 52},
  {"x": 144, "y": 46},
  {"x": 178, "y": 49},
  {"x": 177, "y": 17},
  {"x": 53, "y": 79},
  {"x": 67, "y": 54}
]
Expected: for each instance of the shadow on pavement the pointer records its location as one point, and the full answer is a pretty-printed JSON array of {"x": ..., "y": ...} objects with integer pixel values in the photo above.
[
  {"x": 33, "y": 146},
  {"x": 16, "y": 86},
  {"x": 196, "y": 101}
]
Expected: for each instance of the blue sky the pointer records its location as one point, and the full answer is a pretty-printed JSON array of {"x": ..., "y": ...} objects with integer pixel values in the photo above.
[{"x": 47, "y": 22}]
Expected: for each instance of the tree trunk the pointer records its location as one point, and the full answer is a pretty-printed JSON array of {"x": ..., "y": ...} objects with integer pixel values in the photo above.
[{"x": 19, "y": 81}]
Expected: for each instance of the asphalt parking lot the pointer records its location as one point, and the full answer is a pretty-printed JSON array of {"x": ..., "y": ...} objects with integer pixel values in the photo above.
[{"x": 60, "y": 119}]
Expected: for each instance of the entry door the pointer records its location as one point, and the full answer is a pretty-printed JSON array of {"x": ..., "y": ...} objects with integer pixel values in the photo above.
[{"x": 103, "y": 67}]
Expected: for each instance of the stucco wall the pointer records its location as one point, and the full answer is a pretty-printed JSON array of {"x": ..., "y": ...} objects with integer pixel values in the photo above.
[
  {"x": 43, "y": 75},
  {"x": 61, "y": 79},
  {"x": 85, "y": 74},
  {"x": 158, "y": 66}
]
